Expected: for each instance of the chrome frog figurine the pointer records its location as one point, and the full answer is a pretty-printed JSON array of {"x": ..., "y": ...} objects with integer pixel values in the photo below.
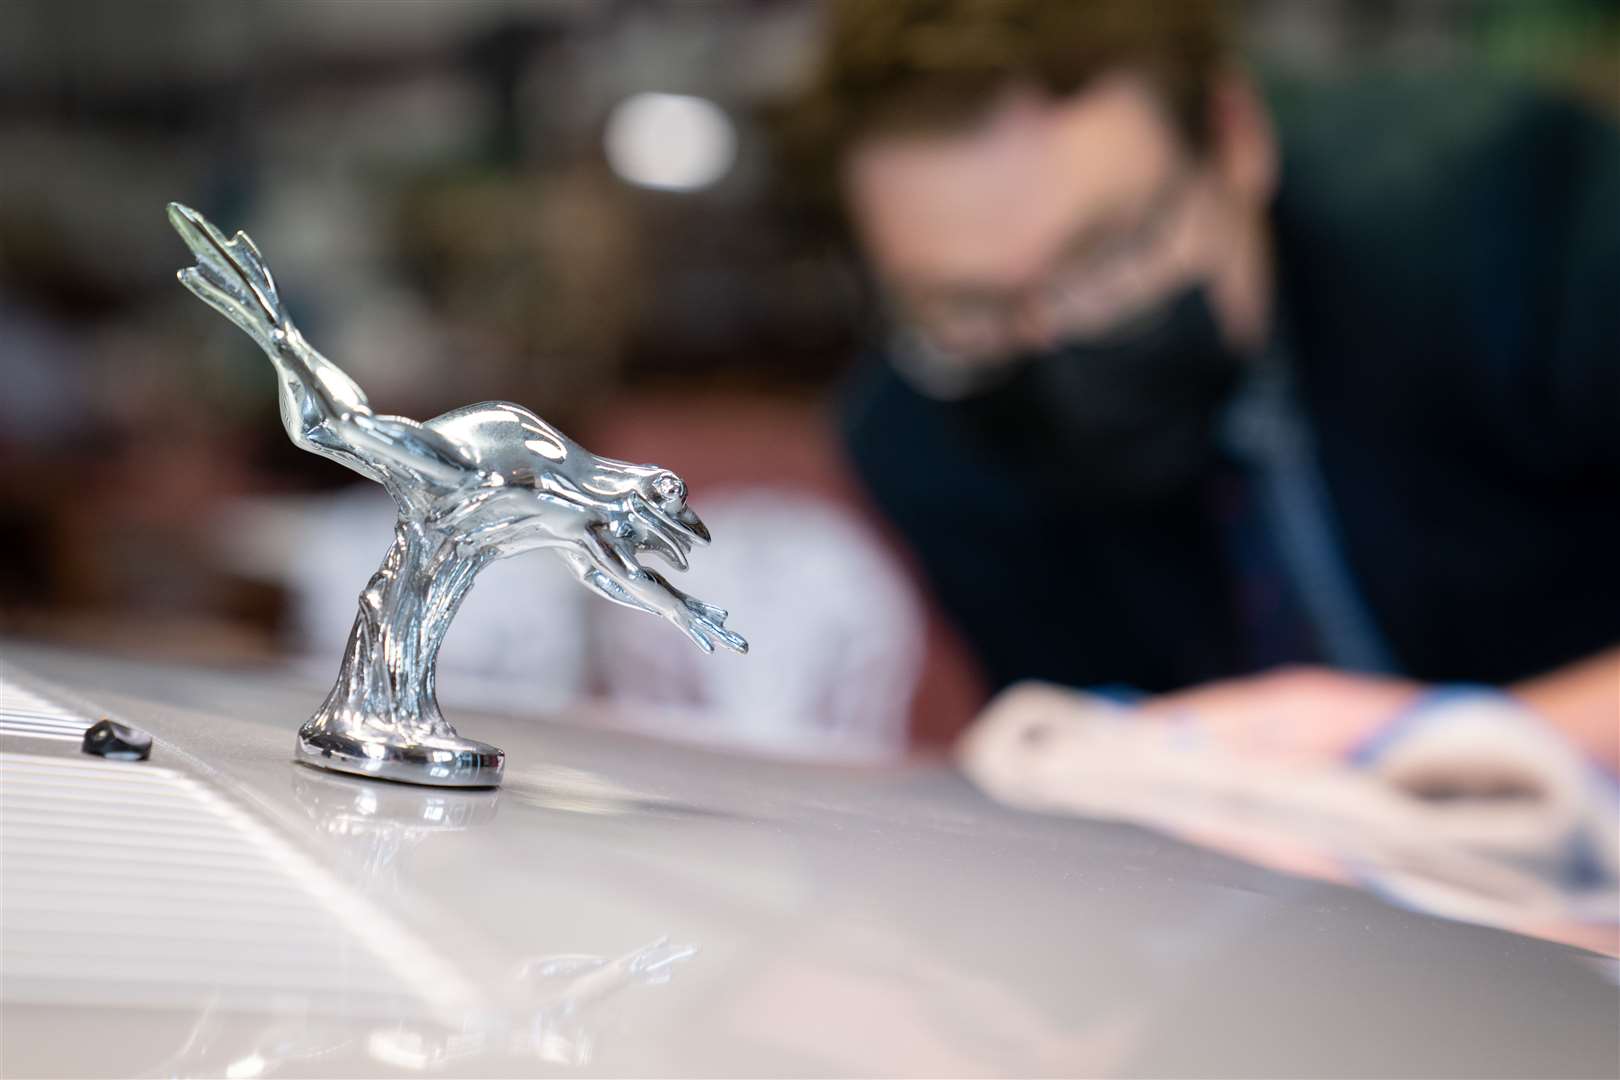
[{"x": 476, "y": 484}]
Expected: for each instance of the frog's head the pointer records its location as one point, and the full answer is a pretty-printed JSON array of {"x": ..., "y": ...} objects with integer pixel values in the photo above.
[
  {"x": 663, "y": 495},
  {"x": 653, "y": 516}
]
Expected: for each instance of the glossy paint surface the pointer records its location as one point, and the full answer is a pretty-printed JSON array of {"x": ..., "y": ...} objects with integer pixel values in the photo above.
[{"x": 625, "y": 906}]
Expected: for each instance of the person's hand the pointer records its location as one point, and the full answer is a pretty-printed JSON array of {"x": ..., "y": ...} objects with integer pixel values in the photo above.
[{"x": 1296, "y": 712}]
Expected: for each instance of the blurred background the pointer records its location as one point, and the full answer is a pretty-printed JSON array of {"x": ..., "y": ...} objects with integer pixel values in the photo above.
[{"x": 578, "y": 206}]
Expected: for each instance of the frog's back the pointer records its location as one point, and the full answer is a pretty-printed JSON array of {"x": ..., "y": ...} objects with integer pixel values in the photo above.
[{"x": 505, "y": 437}]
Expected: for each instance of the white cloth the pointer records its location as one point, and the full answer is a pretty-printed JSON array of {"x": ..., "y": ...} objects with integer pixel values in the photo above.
[{"x": 1526, "y": 835}]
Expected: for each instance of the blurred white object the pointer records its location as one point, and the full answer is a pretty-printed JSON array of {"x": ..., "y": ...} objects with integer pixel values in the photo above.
[
  {"x": 1467, "y": 807},
  {"x": 674, "y": 142},
  {"x": 836, "y": 633}
]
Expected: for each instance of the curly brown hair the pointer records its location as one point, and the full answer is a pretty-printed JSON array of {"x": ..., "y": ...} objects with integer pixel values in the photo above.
[{"x": 908, "y": 65}]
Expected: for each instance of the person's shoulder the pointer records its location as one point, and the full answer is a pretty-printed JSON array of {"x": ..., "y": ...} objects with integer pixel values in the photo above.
[
  {"x": 1428, "y": 151},
  {"x": 1462, "y": 240}
]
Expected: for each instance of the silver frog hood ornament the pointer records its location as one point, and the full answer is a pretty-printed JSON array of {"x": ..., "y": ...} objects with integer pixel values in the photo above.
[{"x": 476, "y": 484}]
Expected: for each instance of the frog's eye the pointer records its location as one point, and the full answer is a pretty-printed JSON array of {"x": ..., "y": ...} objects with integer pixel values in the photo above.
[{"x": 669, "y": 489}]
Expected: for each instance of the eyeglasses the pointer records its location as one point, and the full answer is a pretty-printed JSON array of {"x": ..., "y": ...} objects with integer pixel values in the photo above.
[{"x": 1092, "y": 285}]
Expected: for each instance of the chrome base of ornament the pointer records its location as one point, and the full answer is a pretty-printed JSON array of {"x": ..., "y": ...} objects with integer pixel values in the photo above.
[{"x": 437, "y": 760}]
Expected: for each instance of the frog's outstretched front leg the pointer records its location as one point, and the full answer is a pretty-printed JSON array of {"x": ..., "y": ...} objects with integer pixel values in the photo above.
[
  {"x": 697, "y": 620},
  {"x": 603, "y": 583},
  {"x": 323, "y": 410},
  {"x": 619, "y": 578}
]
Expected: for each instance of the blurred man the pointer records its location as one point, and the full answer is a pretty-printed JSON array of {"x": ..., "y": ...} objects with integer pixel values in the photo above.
[{"x": 1166, "y": 401}]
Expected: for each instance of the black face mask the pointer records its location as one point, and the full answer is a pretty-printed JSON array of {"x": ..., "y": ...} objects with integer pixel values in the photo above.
[{"x": 1128, "y": 417}]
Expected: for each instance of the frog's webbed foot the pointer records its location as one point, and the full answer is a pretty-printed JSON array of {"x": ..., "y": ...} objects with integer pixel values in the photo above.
[{"x": 702, "y": 622}]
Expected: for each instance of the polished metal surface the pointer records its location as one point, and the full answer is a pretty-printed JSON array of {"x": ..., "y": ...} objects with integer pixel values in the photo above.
[
  {"x": 626, "y": 907},
  {"x": 476, "y": 484}
]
